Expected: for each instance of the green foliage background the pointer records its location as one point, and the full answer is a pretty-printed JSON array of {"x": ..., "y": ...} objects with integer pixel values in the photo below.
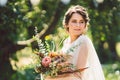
[{"x": 19, "y": 17}]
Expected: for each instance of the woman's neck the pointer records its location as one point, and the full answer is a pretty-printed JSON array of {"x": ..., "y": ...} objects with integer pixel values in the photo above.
[{"x": 73, "y": 38}]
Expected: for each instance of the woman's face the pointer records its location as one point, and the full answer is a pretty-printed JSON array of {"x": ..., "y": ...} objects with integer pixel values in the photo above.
[{"x": 76, "y": 25}]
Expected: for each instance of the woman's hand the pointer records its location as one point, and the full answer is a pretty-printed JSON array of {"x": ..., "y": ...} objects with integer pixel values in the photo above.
[{"x": 65, "y": 67}]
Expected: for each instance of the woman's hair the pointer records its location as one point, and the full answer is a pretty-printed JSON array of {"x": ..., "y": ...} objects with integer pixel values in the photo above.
[{"x": 76, "y": 9}]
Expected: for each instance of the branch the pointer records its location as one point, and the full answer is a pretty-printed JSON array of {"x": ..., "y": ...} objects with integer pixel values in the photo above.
[
  {"x": 29, "y": 41},
  {"x": 47, "y": 30}
]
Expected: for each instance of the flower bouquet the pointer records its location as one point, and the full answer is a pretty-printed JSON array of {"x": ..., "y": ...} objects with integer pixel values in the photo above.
[{"x": 51, "y": 63}]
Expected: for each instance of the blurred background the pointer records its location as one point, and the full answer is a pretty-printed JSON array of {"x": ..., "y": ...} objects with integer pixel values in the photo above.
[{"x": 18, "y": 18}]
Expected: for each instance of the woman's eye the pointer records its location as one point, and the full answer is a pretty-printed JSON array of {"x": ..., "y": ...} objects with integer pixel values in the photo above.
[
  {"x": 74, "y": 21},
  {"x": 82, "y": 22}
]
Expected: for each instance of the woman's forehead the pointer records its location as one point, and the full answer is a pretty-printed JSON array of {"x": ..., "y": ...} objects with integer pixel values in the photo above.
[{"x": 76, "y": 16}]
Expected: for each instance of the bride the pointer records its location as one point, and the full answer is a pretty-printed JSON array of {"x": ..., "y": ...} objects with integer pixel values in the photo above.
[{"x": 84, "y": 56}]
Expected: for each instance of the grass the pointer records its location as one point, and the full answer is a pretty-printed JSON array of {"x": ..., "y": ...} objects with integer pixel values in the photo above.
[{"x": 112, "y": 71}]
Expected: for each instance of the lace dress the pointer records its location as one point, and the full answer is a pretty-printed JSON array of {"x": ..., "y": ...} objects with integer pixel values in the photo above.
[{"x": 94, "y": 70}]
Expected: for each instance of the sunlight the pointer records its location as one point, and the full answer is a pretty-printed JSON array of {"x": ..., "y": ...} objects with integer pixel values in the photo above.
[
  {"x": 3, "y": 2},
  {"x": 118, "y": 48},
  {"x": 24, "y": 58},
  {"x": 35, "y": 2},
  {"x": 100, "y": 1}
]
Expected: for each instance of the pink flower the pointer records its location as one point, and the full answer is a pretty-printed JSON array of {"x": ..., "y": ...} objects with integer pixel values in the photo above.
[{"x": 46, "y": 61}]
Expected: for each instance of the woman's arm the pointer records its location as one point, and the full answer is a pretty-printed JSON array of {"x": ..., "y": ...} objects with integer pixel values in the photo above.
[{"x": 82, "y": 57}]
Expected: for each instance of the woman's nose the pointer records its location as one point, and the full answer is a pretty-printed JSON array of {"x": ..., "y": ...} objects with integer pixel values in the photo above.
[{"x": 77, "y": 24}]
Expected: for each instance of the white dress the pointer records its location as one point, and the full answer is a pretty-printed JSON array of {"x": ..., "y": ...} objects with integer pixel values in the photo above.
[{"x": 94, "y": 70}]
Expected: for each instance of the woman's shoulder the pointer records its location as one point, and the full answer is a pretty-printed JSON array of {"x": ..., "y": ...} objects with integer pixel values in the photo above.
[{"x": 84, "y": 38}]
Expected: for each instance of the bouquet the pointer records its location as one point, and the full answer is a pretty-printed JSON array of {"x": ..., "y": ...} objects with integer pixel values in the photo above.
[{"x": 51, "y": 63}]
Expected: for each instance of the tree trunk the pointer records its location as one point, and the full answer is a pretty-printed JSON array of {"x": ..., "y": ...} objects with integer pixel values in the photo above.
[
  {"x": 5, "y": 66},
  {"x": 103, "y": 56},
  {"x": 55, "y": 19},
  {"x": 112, "y": 47}
]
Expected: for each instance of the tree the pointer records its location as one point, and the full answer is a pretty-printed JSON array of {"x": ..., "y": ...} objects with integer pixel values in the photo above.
[
  {"x": 105, "y": 28},
  {"x": 16, "y": 18}
]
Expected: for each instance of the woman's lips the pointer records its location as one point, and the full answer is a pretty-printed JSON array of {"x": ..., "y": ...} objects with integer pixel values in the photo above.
[{"x": 77, "y": 29}]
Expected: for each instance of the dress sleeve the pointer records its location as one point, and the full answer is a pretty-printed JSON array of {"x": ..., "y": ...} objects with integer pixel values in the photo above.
[{"x": 83, "y": 55}]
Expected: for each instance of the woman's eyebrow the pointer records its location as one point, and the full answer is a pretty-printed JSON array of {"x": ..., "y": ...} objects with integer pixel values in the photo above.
[{"x": 82, "y": 20}]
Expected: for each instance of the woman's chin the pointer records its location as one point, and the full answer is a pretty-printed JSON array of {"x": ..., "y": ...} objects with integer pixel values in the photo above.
[{"x": 77, "y": 34}]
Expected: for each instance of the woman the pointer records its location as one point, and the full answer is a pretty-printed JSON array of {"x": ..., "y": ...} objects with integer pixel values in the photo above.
[{"x": 84, "y": 57}]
